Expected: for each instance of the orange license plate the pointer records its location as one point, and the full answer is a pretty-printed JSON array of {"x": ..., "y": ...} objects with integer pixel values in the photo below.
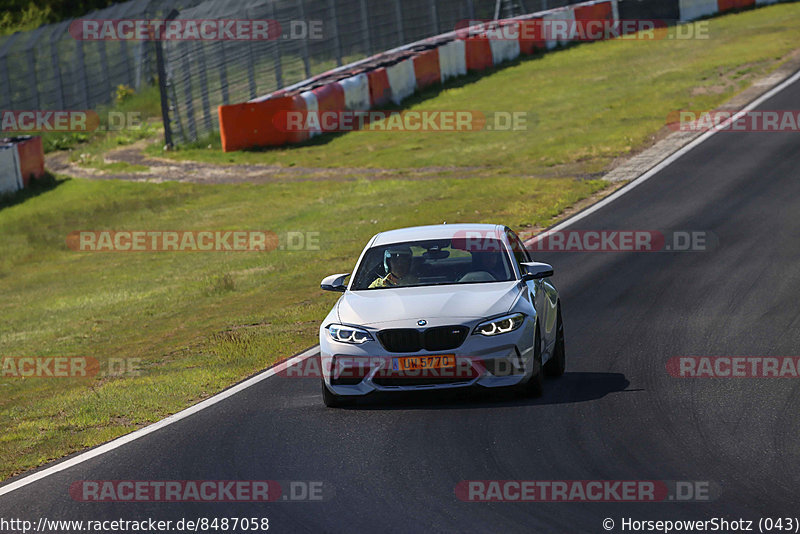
[{"x": 414, "y": 363}]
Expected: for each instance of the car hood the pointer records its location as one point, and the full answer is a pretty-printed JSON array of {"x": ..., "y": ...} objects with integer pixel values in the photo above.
[{"x": 463, "y": 301}]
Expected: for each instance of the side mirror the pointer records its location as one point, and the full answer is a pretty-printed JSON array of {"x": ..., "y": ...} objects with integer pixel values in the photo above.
[
  {"x": 534, "y": 270},
  {"x": 335, "y": 282}
]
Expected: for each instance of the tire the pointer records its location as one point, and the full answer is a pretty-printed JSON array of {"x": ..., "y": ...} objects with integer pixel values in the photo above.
[
  {"x": 556, "y": 365},
  {"x": 535, "y": 385},
  {"x": 331, "y": 399}
]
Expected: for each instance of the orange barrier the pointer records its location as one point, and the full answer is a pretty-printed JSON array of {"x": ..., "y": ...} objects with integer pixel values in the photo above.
[
  {"x": 727, "y": 5},
  {"x": 426, "y": 68},
  {"x": 599, "y": 11},
  {"x": 250, "y": 124},
  {"x": 479, "y": 53},
  {"x": 330, "y": 97},
  {"x": 530, "y": 36},
  {"x": 31, "y": 159},
  {"x": 593, "y": 12},
  {"x": 380, "y": 92},
  {"x": 299, "y": 105}
]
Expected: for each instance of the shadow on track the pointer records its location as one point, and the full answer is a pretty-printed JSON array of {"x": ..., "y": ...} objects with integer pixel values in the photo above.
[{"x": 570, "y": 388}]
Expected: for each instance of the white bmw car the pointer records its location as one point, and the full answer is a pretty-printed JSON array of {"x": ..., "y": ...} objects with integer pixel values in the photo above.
[{"x": 444, "y": 306}]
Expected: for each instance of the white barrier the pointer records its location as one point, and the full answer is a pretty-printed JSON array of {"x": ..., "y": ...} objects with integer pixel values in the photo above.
[
  {"x": 547, "y": 22},
  {"x": 312, "y": 106},
  {"x": 453, "y": 59},
  {"x": 694, "y": 9},
  {"x": 503, "y": 47},
  {"x": 402, "y": 80},
  {"x": 10, "y": 177},
  {"x": 568, "y": 14},
  {"x": 356, "y": 92}
]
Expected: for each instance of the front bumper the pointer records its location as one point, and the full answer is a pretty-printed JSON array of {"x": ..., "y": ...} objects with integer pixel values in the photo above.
[{"x": 497, "y": 361}]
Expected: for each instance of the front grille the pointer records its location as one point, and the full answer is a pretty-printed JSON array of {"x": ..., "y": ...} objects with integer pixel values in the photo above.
[
  {"x": 432, "y": 339},
  {"x": 445, "y": 337},
  {"x": 400, "y": 340}
]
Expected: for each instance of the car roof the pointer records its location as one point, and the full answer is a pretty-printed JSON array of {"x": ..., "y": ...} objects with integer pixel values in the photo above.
[{"x": 438, "y": 231}]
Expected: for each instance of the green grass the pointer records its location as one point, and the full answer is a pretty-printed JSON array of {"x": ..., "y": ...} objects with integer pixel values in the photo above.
[
  {"x": 199, "y": 322},
  {"x": 144, "y": 106},
  {"x": 589, "y": 103}
]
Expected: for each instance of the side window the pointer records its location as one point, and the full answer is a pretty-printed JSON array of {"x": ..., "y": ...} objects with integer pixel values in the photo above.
[{"x": 520, "y": 253}]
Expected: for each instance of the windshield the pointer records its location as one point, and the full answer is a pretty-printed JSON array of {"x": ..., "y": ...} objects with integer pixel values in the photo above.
[{"x": 433, "y": 262}]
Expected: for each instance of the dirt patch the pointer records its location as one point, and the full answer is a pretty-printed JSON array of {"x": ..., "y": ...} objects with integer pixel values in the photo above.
[{"x": 164, "y": 169}]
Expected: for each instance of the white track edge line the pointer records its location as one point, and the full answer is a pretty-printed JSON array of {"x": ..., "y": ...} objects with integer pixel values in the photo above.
[
  {"x": 111, "y": 445},
  {"x": 666, "y": 161},
  {"x": 123, "y": 440}
]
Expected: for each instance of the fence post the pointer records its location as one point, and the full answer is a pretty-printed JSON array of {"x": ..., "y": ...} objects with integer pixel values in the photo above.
[
  {"x": 83, "y": 82},
  {"x": 200, "y": 54},
  {"x": 4, "y": 77},
  {"x": 56, "y": 65},
  {"x": 277, "y": 50},
  {"x": 251, "y": 68},
  {"x": 123, "y": 44},
  {"x": 304, "y": 45},
  {"x": 365, "y": 29},
  {"x": 336, "y": 43},
  {"x": 162, "y": 85},
  {"x": 187, "y": 93},
  {"x": 104, "y": 68},
  {"x": 398, "y": 14},
  {"x": 434, "y": 17},
  {"x": 223, "y": 74},
  {"x": 31, "y": 53}
]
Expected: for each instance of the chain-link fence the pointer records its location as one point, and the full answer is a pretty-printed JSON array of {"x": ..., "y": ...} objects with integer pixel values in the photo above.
[
  {"x": 48, "y": 69},
  {"x": 201, "y": 75}
]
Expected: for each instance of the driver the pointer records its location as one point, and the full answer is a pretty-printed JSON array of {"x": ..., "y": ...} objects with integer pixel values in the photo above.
[{"x": 397, "y": 262}]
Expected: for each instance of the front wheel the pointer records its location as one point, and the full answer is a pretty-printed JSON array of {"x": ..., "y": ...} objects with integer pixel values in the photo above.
[
  {"x": 557, "y": 364},
  {"x": 331, "y": 399}
]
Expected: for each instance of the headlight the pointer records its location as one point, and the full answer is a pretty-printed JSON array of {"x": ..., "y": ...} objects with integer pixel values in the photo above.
[
  {"x": 501, "y": 325},
  {"x": 348, "y": 334}
]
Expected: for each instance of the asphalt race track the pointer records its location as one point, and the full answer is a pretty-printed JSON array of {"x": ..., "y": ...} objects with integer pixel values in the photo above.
[{"x": 616, "y": 415}]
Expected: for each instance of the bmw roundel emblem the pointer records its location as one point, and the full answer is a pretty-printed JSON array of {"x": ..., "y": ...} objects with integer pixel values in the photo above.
[{"x": 422, "y": 322}]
